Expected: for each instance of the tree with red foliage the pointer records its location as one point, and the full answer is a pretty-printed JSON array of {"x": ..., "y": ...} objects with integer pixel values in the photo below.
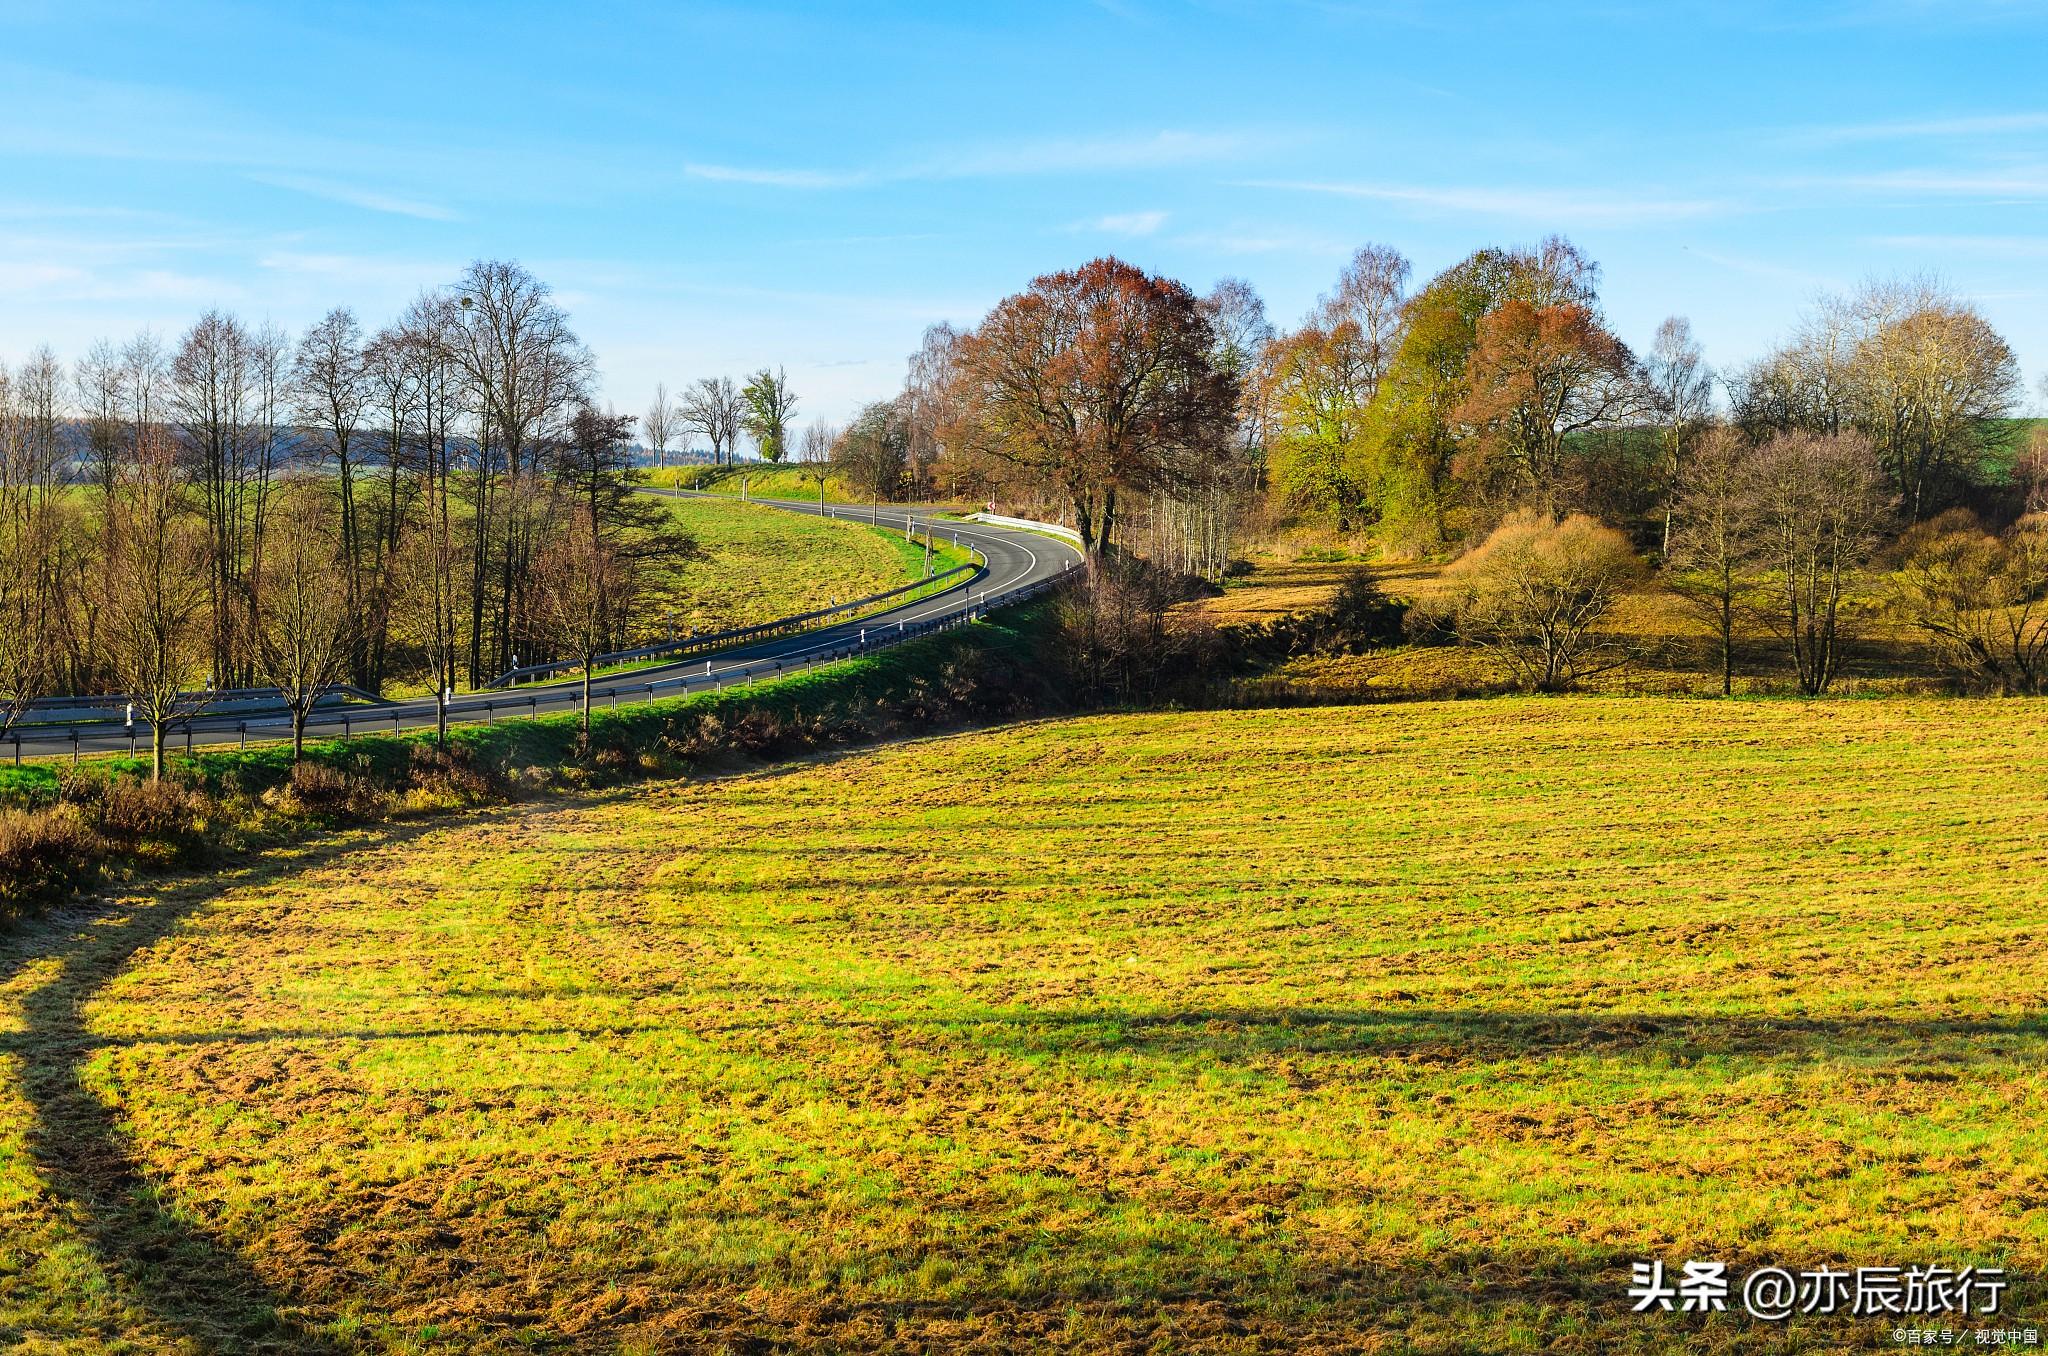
[
  {"x": 1089, "y": 384},
  {"x": 1538, "y": 375}
]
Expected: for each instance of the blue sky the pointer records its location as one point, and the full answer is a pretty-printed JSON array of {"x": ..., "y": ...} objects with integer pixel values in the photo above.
[{"x": 711, "y": 189}]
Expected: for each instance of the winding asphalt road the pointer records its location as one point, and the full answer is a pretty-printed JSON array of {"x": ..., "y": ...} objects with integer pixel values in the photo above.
[{"x": 1017, "y": 562}]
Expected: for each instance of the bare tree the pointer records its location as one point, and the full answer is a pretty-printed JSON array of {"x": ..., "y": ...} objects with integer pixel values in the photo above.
[
  {"x": 1931, "y": 380},
  {"x": 580, "y": 574},
  {"x": 26, "y": 525},
  {"x": 1819, "y": 503},
  {"x": 1205, "y": 486},
  {"x": 1371, "y": 294},
  {"x": 145, "y": 372},
  {"x": 158, "y": 579},
  {"x": 96, "y": 385},
  {"x": 431, "y": 556},
  {"x": 526, "y": 374},
  {"x": 659, "y": 423},
  {"x": 331, "y": 384},
  {"x": 1682, "y": 396},
  {"x": 925, "y": 408},
  {"x": 211, "y": 397},
  {"x": 872, "y": 453},
  {"x": 300, "y": 612},
  {"x": 814, "y": 456},
  {"x": 272, "y": 442},
  {"x": 712, "y": 407},
  {"x": 1711, "y": 557}
]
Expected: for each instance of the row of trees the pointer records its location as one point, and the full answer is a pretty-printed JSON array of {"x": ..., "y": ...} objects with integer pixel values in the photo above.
[
  {"x": 1425, "y": 415},
  {"x": 1493, "y": 409},
  {"x": 719, "y": 412},
  {"x": 437, "y": 498}
]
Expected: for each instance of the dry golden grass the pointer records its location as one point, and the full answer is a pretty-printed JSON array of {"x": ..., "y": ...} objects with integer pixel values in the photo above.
[
  {"x": 1670, "y": 650},
  {"x": 1380, "y": 1028}
]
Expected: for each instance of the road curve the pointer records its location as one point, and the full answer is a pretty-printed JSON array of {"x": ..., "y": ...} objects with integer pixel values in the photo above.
[{"x": 1016, "y": 561}]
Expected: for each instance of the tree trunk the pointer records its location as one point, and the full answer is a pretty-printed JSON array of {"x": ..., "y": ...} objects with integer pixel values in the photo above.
[
  {"x": 298, "y": 733},
  {"x": 156, "y": 751},
  {"x": 588, "y": 661},
  {"x": 1727, "y": 640}
]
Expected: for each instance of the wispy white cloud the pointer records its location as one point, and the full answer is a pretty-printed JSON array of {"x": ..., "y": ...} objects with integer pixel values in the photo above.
[
  {"x": 1092, "y": 155},
  {"x": 778, "y": 178},
  {"x": 1811, "y": 283},
  {"x": 1124, "y": 223},
  {"x": 1978, "y": 125},
  {"x": 370, "y": 200},
  {"x": 2007, "y": 183},
  {"x": 1543, "y": 205},
  {"x": 1048, "y": 156},
  {"x": 69, "y": 283},
  {"x": 1266, "y": 240},
  {"x": 1994, "y": 246}
]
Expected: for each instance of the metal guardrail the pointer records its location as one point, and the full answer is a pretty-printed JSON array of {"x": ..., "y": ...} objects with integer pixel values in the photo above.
[
  {"x": 84, "y": 709},
  {"x": 487, "y": 712},
  {"x": 679, "y": 649}
]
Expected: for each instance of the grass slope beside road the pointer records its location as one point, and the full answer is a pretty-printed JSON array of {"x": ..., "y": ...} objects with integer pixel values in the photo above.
[
  {"x": 1388, "y": 1027},
  {"x": 758, "y": 480},
  {"x": 762, "y": 563}
]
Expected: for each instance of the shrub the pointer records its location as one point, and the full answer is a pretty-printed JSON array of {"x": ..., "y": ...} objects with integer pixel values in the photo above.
[
  {"x": 319, "y": 791},
  {"x": 151, "y": 819},
  {"x": 1360, "y": 617},
  {"x": 1983, "y": 600},
  {"x": 1120, "y": 640},
  {"x": 449, "y": 778},
  {"x": 43, "y": 852},
  {"x": 1533, "y": 591}
]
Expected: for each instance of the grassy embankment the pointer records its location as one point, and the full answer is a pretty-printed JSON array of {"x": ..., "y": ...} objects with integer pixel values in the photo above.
[
  {"x": 764, "y": 563},
  {"x": 1401, "y": 1028},
  {"x": 759, "y": 480}
]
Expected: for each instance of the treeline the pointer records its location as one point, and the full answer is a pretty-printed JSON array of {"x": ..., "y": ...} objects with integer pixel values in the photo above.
[
  {"x": 1494, "y": 412},
  {"x": 430, "y": 502},
  {"x": 1423, "y": 415}
]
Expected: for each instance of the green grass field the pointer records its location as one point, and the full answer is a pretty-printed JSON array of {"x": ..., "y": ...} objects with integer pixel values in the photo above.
[
  {"x": 1382, "y": 1028},
  {"x": 763, "y": 563},
  {"x": 761, "y": 480}
]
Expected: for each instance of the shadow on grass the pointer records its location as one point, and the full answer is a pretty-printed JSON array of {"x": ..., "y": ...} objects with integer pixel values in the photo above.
[
  {"x": 1486, "y": 1036},
  {"x": 161, "y": 1259}
]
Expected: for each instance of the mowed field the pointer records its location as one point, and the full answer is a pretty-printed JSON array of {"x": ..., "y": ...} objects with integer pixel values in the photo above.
[{"x": 1386, "y": 1028}]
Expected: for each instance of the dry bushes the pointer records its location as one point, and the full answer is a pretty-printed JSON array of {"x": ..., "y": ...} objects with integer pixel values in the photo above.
[
  {"x": 1120, "y": 640},
  {"x": 42, "y": 852},
  {"x": 1533, "y": 591},
  {"x": 1982, "y": 600}
]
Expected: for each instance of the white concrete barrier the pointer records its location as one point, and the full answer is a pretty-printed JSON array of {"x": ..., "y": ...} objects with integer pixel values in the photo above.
[{"x": 1026, "y": 524}]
